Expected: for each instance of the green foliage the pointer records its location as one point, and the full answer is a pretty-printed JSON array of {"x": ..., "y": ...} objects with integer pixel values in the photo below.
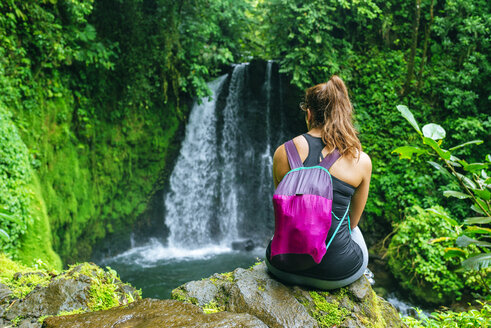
[
  {"x": 473, "y": 181},
  {"x": 450, "y": 319},
  {"x": 15, "y": 175},
  {"x": 420, "y": 265}
]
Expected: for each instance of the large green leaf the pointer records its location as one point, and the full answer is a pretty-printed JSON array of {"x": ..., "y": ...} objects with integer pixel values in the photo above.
[
  {"x": 477, "y": 229},
  {"x": 434, "y": 131},
  {"x": 4, "y": 235},
  {"x": 440, "y": 168},
  {"x": 478, "y": 220},
  {"x": 445, "y": 154},
  {"x": 478, "y": 142},
  {"x": 408, "y": 151},
  {"x": 484, "y": 194},
  {"x": 477, "y": 262},
  {"x": 453, "y": 252},
  {"x": 406, "y": 113},
  {"x": 456, "y": 194},
  {"x": 475, "y": 167},
  {"x": 464, "y": 241},
  {"x": 467, "y": 182},
  {"x": 477, "y": 209}
]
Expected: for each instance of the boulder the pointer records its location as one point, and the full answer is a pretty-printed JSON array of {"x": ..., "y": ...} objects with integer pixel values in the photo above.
[
  {"x": 256, "y": 292},
  {"x": 155, "y": 313},
  {"x": 84, "y": 287}
]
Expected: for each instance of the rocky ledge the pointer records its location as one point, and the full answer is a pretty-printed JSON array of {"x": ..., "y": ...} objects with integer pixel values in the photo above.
[{"x": 246, "y": 298}]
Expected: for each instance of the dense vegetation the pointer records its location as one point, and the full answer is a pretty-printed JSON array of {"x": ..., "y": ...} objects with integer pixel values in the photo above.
[{"x": 93, "y": 92}]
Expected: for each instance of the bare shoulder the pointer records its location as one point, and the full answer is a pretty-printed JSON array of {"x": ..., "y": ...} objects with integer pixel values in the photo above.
[
  {"x": 365, "y": 163},
  {"x": 280, "y": 153}
]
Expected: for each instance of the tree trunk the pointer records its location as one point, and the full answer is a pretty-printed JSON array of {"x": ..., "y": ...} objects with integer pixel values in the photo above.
[
  {"x": 414, "y": 43},
  {"x": 425, "y": 48}
]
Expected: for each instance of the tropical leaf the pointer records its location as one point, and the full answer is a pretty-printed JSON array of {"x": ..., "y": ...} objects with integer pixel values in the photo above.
[
  {"x": 478, "y": 220},
  {"x": 464, "y": 241},
  {"x": 445, "y": 154},
  {"x": 467, "y": 182},
  {"x": 478, "y": 142},
  {"x": 477, "y": 262},
  {"x": 439, "y": 168},
  {"x": 484, "y": 194},
  {"x": 477, "y": 209},
  {"x": 434, "y": 131},
  {"x": 453, "y": 252},
  {"x": 477, "y": 229},
  {"x": 456, "y": 194},
  {"x": 439, "y": 240},
  {"x": 406, "y": 113},
  {"x": 475, "y": 167},
  {"x": 408, "y": 151}
]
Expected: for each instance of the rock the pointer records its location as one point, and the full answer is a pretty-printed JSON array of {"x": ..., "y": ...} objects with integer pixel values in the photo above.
[
  {"x": 5, "y": 293},
  {"x": 241, "y": 245},
  {"x": 155, "y": 313},
  {"x": 59, "y": 295},
  {"x": 255, "y": 292},
  {"x": 76, "y": 289},
  {"x": 29, "y": 323}
]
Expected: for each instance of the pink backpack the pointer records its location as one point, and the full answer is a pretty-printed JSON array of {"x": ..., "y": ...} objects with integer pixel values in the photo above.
[{"x": 303, "y": 213}]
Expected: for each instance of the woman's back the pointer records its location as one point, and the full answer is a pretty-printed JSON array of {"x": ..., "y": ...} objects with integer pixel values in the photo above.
[{"x": 330, "y": 129}]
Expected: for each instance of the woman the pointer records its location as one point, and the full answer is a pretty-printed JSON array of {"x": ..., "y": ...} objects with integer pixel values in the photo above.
[{"x": 328, "y": 114}]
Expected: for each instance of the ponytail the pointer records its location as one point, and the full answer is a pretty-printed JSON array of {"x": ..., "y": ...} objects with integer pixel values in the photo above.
[{"x": 332, "y": 111}]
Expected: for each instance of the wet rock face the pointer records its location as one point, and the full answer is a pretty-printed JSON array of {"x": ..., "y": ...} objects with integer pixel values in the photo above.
[
  {"x": 60, "y": 295},
  {"x": 256, "y": 292},
  {"x": 72, "y": 290},
  {"x": 155, "y": 313}
]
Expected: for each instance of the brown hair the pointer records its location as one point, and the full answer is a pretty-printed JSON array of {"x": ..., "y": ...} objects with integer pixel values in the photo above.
[{"x": 331, "y": 110}]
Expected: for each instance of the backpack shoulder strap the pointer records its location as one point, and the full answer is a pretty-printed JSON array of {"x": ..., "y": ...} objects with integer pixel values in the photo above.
[
  {"x": 330, "y": 159},
  {"x": 292, "y": 154}
]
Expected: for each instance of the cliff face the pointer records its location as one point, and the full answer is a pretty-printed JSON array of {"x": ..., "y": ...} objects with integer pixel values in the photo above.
[{"x": 247, "y": 298}]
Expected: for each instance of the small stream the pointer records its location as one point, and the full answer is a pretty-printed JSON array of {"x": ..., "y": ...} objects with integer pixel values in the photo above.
[{"x": 220, "y": 189}]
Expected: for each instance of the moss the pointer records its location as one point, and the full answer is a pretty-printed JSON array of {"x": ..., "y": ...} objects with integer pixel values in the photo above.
[
  {"x": 213, "y": 307},
  {"x": 228, "y": 276},
  {"x": 17, "y": 320},
  {"x": 36, "y": 246},
  {"x": 20, "y": 278},
  {"x": 105, "y": 286},
  {"x": 178, "y": 294},
  {"x": 28, "y": 228},
  {"x": 327, "y": 314}
]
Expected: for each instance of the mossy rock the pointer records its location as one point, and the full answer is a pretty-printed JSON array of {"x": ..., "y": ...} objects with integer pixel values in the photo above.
[
  {"x": 256, "y": 292},
  {"x": 33, "y": 295}
]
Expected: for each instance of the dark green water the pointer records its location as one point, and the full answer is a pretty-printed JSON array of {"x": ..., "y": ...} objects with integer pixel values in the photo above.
[{"x": 157, "y": 270}]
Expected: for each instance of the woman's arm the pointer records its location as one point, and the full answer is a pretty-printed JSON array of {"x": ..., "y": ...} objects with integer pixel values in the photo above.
[
  {"x": 360, "y": 196},
  {"x": 280, "y": 165}
]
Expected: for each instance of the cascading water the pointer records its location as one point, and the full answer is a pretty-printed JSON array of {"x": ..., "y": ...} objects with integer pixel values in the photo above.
[
  {"x": 223, "y": 176},
  {"x": 189, "y": 203}
]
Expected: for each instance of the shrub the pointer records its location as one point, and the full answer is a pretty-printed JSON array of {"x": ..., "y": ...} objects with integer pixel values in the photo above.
[{"x": 418, "y": 264}]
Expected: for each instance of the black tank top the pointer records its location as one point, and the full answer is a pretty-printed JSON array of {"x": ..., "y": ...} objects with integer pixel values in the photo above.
[{"x": 343, "y": 257}]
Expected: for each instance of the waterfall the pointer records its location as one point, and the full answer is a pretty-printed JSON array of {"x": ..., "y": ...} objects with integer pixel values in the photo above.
[
  {"x": 229, "y": 150},
  {"x": 193, "y": 181},
  {"x": 266, "y": 164},
  {"x": 221, "y": 187}
]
